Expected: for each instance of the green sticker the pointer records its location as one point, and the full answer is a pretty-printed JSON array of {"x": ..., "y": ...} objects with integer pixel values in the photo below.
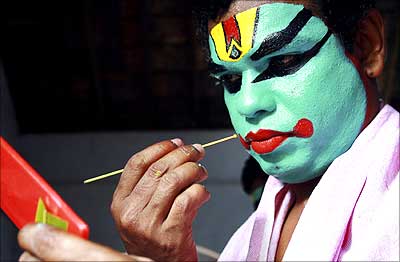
[{"x": 45, "y": 217}]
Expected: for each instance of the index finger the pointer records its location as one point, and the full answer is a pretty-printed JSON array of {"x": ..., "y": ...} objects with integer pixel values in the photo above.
[
  {"x": 139, "y": 163},
  {"x": 50, "y": 244}
]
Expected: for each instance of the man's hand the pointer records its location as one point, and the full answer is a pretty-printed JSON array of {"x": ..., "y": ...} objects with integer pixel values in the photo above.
[
  {"x": 46, "y": 243},
  {"x": 157, "y": 199}
]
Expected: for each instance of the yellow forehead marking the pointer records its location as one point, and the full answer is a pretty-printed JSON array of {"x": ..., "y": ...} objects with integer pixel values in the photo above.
[{"x": 233, "y": 38}]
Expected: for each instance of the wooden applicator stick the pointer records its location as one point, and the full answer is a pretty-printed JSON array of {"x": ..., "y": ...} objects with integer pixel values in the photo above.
[
  {"x": 220, "y": 140},
  {"x": 90, "y": 180}
]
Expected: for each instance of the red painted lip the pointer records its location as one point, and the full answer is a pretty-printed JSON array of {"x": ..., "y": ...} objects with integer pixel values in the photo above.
[{"x": 265, "y": 140}]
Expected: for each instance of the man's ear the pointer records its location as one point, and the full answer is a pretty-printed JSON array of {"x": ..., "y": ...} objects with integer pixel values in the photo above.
[{"x": 369, "y": 45}]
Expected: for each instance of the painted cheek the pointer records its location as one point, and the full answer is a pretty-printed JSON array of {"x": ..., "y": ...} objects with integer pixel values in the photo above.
[
  {"x": 236, "y": 119},
  {"x": 304, "y": 128}
]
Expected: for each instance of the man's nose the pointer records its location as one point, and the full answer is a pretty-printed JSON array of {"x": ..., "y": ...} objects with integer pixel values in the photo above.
[{"x": 256, "y": 100}]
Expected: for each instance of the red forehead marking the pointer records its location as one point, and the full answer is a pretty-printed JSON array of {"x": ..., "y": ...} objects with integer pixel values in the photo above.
[{"x": 231, "y": 30}]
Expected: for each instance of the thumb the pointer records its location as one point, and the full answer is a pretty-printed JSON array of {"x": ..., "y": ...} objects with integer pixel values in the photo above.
[{"x": 50, "y": 244}]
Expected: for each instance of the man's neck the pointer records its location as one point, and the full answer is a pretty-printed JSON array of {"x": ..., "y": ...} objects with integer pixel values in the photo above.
[
  {"x": 302, "y": 191},
  {"x": 373, "y": 103}
]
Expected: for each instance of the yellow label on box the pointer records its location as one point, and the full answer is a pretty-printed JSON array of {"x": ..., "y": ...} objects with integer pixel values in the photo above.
[{"x": 45, "y": 217}]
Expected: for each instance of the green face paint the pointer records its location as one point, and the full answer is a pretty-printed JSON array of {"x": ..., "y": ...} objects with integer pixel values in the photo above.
[{"x": 291, "y": 85}]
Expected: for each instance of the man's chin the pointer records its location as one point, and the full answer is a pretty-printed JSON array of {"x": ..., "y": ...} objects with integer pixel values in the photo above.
[
  {"x": 294, "y": 178},
  {"x": 290, "y": 174}
]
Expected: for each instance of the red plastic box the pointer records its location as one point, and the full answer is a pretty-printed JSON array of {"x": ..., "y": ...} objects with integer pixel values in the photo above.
[{"x": 21, "y": 188}]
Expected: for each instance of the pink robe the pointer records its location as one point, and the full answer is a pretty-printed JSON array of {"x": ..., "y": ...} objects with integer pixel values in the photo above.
[{"x": 352, "y": 214}]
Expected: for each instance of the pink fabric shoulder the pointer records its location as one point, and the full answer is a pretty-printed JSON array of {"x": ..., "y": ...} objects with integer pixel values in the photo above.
[{"x": 353, "y": 213}]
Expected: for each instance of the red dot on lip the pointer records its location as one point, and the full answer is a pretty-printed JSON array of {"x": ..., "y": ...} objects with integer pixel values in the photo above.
[{"x": 303, "y": 128}]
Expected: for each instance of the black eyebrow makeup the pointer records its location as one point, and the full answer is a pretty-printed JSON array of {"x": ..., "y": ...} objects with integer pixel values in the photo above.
[
  {"x": 300, "y": 61},
  {"x": 277, "y": 40}
]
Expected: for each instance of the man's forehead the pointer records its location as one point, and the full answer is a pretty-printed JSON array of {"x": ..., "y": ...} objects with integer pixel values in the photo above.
[
  {"x": 237, "y": 35},
  {"x": 239, "y": 6},
  {"x": 274, "y": 16}
]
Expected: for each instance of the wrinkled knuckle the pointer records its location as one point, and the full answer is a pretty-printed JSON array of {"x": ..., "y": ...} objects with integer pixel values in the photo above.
[
  {"x": 168, "y": 246},
  {"x": 115, "y": 209},
  {"x": 188, "y": 150},
  {"x": 115, "y": 196},
  {"x": 157, "y": 169},
  {"x": 125, "y": 221},
  {"x": 142, "y": 230},
  {"x": 173, "y": 228},
  {"x": 150, "y": 226},
  {"x": 137, "y": 163},
  {"x": 183, "y": 203},
  {"x": 164, "y": 147},
  {"x": 142, "y": 189},
  {"x": 170, "y": 181},
  {"x": 128, "y": 221}
]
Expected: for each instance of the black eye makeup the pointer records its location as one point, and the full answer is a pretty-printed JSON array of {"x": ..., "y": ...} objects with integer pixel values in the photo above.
[
  {"x": 283, "y": 65},
  {"x": 279, "y": 65},
  {"x": 231, "y": 82}
]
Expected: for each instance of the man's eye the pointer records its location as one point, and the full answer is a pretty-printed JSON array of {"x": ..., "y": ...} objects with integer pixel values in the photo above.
[
  {"x": 282, "y": 65},
  {"x": 231, "y": 82},
  {"x": 284, "y": 60}
]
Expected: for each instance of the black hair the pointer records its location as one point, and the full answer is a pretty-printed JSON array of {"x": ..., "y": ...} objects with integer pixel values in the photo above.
[{"x": 342, "y": 16}]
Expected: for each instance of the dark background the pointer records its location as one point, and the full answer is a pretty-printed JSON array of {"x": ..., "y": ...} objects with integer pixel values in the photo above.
[{"x": 107, "y": 65}]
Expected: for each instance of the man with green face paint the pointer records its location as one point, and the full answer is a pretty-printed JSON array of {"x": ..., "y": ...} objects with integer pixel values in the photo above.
[
  {"x": 299, "y": 101},
  {"x": 280, "y": 87},
  {"x": 299, "y": 80}
]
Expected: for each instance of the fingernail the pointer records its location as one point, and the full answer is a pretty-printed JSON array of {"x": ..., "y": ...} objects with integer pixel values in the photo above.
[
  {"x": 40, "y": 227},
  {"x": 31, "y": 230},
  {"x": 198, "y": 148},
  {"x": 26, "y": 256},
  {"x": 204, "y": 174},
  {"x": 202, "y": 167},
  {"x": 177, "y": 141},
  {"x": 206, "y": 190}
]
